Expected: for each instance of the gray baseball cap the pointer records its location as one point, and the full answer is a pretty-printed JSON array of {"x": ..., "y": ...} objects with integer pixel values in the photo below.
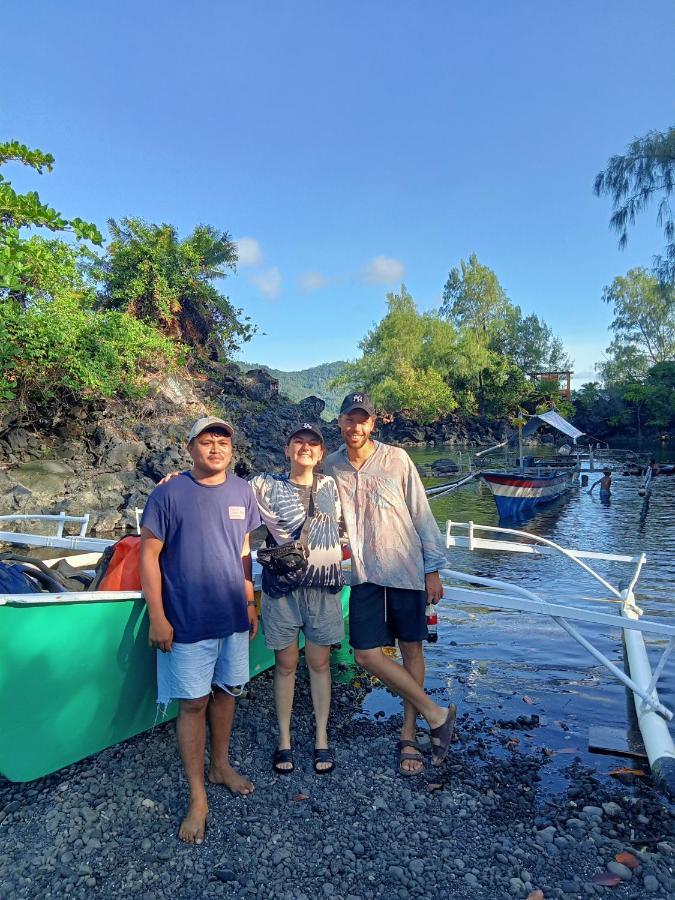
[
  {"x": 305, "y": 426},
  {"x": 357, "y": 400},
  {"x": 206, "y": 423}
]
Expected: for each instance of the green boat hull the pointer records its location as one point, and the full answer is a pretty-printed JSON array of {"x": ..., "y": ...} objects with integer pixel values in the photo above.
[{"x": 77, "y": 678}]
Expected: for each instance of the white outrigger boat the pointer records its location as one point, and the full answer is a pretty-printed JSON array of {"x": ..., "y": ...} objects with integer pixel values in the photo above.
[
  {"x": 93, "y": 647},
  {"x": 653, "y": 716}
]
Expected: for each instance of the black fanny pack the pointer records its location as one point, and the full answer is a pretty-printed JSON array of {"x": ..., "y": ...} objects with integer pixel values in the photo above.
[{"x": 288, "y": 562}]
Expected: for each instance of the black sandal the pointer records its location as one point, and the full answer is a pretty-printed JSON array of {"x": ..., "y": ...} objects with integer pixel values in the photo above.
[
  {"x": 283, "y": 756},
  {"x": 323, "y": 755},
  {"x": 410, "y": 750},
  {"x": 442, "y": 736}
]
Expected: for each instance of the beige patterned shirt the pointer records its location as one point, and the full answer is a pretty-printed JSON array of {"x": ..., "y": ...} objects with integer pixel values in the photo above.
[{"x": 393, "y": 535}]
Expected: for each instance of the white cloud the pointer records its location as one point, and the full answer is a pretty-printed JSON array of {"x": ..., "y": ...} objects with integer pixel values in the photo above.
[
  {"x": 249, "y": 252},
  {"x": 383, "y": 270},
  {"x": 312, "y": 281},
  {"x": 268, "y": 282}
]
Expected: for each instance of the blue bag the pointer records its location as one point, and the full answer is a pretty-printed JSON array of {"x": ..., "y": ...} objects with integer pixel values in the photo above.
[{"x": 13, "y": 580}]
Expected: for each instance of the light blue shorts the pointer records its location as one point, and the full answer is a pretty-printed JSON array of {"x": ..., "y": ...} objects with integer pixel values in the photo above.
[{"x": 189, "y": 671}]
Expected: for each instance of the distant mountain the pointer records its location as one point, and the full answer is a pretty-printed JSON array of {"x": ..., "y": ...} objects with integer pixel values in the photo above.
[{"x": 298, "y": 385}]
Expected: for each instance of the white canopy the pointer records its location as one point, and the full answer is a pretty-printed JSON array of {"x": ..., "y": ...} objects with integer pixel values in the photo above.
[{"x": 555, "y": 420}]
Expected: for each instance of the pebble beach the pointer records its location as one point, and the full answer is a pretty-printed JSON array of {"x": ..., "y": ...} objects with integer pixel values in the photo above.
[{"x": 480, "y": 826}]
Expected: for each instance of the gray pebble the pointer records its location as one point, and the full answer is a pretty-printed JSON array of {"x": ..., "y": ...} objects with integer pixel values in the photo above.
[
  {"x": 617, "y": 868},
  {"x": 611, "y": 809},
  {"x": 546, "y": 835}
]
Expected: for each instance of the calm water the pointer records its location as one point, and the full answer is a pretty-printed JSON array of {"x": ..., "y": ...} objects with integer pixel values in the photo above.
[{"x": 490, "y": 660}]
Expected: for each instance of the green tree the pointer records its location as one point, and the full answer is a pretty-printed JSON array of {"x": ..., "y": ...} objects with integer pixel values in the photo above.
[
  {"x": 644, "y": 315},
  {"x": 531, "y": 344},
  {"x": 151, "y": 274},
  {"x": 18, "y": 261},
  {"x": 661, "y": 402},
  {"x": 406, "y": 359},
  {"x": 643, "y": 327},
  {"x": 474, "y": 299},
  {"x": 56, "y": 349},
  {"x": 645, "y": 172},
  {"x": 476, "y": 303}
]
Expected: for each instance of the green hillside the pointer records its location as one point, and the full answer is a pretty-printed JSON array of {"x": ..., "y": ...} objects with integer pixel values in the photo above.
[{"x": 298, "y": 385}]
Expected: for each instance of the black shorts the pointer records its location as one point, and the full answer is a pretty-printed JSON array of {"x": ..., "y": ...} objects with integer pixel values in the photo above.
[{"x": 378, "y": 616}]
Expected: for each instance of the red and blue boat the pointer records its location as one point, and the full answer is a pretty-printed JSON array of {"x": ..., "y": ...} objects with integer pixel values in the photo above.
[{"x": 520, "y": 492}]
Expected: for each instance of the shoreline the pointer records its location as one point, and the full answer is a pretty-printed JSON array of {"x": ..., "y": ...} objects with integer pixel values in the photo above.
[{"x": 480, "y": 826}]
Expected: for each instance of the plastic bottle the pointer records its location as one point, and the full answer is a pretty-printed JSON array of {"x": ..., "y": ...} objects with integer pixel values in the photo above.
[{"x": 432, "y": 623}]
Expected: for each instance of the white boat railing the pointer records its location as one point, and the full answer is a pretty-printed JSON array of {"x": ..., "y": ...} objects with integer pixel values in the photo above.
[
  {"x": 58, "y": 540},
  {"x": 500, "y": 594}
]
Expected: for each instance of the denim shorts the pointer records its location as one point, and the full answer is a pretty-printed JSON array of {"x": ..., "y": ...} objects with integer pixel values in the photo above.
[
  {"x": 190, "y": 671},
  {"x": 314, "y": 611}
]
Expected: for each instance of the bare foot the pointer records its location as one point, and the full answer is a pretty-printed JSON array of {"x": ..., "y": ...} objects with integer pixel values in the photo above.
[
  {"x": 194, "y": 824},
  {"x": 228, "y": 776}
]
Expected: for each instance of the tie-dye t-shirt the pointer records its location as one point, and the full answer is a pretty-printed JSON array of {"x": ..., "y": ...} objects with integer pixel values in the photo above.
[
  {"x": 392, "y": 532},
  {"x": 283, "y": 506}
]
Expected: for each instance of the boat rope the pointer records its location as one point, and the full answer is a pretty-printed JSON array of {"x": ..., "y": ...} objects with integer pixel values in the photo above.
[{"x": 443, "y": 489}]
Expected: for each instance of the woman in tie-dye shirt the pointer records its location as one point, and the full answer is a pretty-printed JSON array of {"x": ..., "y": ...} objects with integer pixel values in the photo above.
[{"x": 315, "y": 607}]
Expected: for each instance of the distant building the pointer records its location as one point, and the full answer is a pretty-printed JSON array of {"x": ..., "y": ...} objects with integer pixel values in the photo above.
[{"x": 562, "y": 379}]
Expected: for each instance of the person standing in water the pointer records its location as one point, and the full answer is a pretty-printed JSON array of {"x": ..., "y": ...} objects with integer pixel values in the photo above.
[
  {"x": 605, "y": 484},
  {"x": 397, "y": 552},
  {"x": 314, "y": 606}
]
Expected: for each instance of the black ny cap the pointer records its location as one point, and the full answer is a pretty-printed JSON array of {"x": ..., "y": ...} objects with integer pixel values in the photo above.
[{"x": 357, "y": 400}]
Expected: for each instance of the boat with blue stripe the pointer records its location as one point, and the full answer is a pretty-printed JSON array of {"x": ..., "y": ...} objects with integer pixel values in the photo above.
[{"x": 520, "y": 492}]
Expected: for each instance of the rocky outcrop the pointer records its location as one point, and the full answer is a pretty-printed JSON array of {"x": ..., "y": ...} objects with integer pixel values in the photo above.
[
  {"x": 106, "y": 458},
  {"x": 449, "y": 431}
]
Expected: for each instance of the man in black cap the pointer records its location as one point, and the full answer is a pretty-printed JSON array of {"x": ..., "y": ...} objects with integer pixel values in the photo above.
[{"x": 397, "y": 552}]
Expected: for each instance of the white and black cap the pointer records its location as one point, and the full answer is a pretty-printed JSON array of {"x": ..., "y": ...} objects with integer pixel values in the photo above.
[
  {"x": 305, "y": 426},
  {"x": 209, "y": 423}
]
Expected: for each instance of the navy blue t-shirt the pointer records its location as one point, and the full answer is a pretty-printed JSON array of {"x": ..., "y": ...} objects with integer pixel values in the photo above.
[{"x": 203, "y": 528}]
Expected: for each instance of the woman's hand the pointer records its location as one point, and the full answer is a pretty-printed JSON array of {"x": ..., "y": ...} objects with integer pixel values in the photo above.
[{"x": 167, "y": 478}]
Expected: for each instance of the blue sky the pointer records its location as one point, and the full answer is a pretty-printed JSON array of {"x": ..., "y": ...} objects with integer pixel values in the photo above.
[{"x": 353, "y": 144}]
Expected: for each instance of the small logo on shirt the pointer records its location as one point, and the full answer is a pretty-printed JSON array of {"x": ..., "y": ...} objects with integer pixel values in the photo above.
[{"x": 237, "y": 512}]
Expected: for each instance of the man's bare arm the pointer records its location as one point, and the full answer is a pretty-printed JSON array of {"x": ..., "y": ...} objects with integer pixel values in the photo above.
[
  {"x": 249, "y": 592},
  {"x": 161, "y": 632}
]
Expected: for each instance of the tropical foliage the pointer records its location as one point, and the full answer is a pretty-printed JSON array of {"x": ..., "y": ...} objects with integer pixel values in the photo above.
[
  {"x": 644, "y": 173},
  {"x": 433, "y": 363},
  {"x": 638, "y": 375},
  {"x": 56, "y": 348},
  {"x": 154, "y": 276},
  {"x": 18, "y": 260},
  {"x": 76, "y": 327}
]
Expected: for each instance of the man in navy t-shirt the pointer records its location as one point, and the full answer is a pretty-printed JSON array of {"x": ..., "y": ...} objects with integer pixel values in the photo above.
[{"x": 196, "y": 574}]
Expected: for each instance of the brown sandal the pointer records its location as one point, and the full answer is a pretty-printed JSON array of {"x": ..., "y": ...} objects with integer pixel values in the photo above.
[
  {"x": 442, "y": 736},
  {"x": 415, "y": 753}
]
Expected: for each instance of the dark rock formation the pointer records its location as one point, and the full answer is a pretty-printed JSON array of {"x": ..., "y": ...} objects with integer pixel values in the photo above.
[{"x": 106, "y": 458}]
